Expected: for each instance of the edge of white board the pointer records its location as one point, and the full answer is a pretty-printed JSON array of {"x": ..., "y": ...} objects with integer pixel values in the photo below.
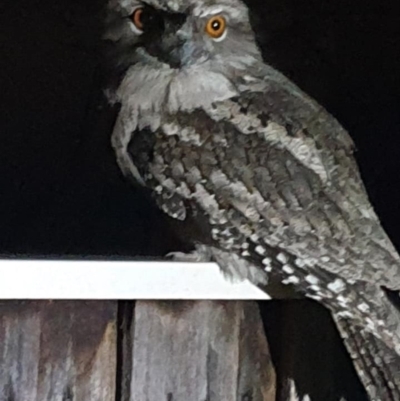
[{"x": 119, "y": 280}]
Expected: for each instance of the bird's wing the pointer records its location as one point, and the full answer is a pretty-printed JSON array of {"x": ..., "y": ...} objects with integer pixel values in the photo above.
[{"x": 276, "y": 165}]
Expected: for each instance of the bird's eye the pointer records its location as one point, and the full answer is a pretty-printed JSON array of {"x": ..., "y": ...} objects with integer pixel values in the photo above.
[
  {"x": 142, "y": 17},
  {"x": 216, "y": 27}
]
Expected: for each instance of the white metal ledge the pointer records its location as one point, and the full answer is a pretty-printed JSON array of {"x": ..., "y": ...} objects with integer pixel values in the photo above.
[{"x": 91, "y": 280}]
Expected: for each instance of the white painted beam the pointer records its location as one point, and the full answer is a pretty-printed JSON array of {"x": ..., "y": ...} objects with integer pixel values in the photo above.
[{"x": 51, "y": 279}]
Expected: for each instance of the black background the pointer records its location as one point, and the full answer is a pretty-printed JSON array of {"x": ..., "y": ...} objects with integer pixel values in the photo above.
[{"x": 60, "y": 191}]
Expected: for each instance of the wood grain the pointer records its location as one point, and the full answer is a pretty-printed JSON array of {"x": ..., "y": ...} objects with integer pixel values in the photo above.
[
  {"x": 202, "y": 351},
  {"x": 57, "y": 351}
]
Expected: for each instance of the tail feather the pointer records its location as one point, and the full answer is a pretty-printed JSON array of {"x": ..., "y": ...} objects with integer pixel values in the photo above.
[
  {"x": 377, "y": 365},
  {"x": 294, "y": 396}
]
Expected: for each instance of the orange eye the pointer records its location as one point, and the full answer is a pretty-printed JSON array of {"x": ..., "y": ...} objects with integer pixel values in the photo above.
[
  {"x": 137, "y": 18},
  {"x": 216, "y": 27}
]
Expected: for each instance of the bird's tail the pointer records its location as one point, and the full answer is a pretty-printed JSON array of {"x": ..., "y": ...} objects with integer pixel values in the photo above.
[
  {"x": 377, "y": 365},
  {"x": 292, "y": 394}
]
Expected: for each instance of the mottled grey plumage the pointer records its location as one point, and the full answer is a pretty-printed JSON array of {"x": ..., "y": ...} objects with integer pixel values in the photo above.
[{"x": 265, "y": 176}]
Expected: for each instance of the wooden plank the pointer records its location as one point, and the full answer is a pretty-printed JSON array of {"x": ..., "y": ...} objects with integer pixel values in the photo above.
[
  {"x": 197, "y": 351},
  {"x": 57, "y": 351}
]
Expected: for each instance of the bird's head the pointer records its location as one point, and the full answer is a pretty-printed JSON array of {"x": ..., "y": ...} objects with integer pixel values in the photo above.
[{"x": 182, "y": 34}]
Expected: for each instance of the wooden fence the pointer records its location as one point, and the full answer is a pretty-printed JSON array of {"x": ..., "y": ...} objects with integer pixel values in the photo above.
[{"x": 170, "y": 351}]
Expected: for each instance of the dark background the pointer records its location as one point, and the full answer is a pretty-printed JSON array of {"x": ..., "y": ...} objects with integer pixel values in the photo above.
[{"x": 60, "y": 191}]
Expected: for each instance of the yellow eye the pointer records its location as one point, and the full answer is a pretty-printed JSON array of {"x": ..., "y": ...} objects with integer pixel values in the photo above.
[{"x": 216, "y": 27}]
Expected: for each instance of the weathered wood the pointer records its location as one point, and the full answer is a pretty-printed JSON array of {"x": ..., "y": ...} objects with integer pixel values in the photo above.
[
  {"x": 197, "y": 351},
  {"x": 57, "y": 351}
]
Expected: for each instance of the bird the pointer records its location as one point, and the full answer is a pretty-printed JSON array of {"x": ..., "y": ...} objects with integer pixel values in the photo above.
[{"x": 261, "y": 178}]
